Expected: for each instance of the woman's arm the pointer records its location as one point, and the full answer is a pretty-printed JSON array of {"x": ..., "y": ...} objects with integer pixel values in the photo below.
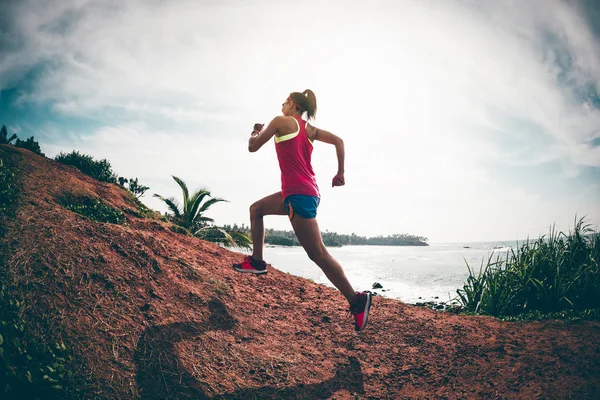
[
  {"x": 328, "y": 137},
  {"x": 257, "y": 140}
]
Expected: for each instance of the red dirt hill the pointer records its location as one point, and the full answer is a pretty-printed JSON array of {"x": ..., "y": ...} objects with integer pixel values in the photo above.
[{"x": 153, "y": 314}]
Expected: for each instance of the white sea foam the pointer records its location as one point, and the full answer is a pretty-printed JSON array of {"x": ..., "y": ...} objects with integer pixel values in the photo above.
[
  {"x": 409, "y": 273},
  {"x": 497, "y": 249}
]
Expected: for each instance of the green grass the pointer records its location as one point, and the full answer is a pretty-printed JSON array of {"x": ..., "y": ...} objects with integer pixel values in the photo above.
[
  {"x": 92, "y": 208},
  {"x": 143, "y": 211},
  {"x": 30, "y": 368},
  {"x": 8, "y": 189},
  {"x": 100, "y": 170},
  {"x": 552, "y": 274},
  {"x": 9, "y": 193},
  {"x": 566, "y": 315}
]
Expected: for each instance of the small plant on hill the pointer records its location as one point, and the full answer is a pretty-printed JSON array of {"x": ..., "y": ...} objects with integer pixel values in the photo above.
[
  {"x": 191, "y": 217},
  {"x": 4, "y": 139},
  {"x": 180, "y": 229},
  {"x": 100, "y": 170},
  {"x": 92, "y": 208},
  {"x": 29, "y": 144},
  {"x": 133, "y": 186},
  {"x": 141, "y": 210},
  {"x": 29, "y": 367},
  {"x": 7, "y": 188},
  {"x": 8, "y": 194},
  {"x": 554, "y": 273}
]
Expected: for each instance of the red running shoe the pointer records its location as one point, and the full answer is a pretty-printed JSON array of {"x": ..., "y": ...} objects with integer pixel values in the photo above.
[
  {"x": 251, "y": 266},
  {"x": 360, "y": 310}
]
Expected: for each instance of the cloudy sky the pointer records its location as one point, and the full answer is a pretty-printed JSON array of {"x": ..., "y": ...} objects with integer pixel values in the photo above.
[{"x": 463, "y": 120}]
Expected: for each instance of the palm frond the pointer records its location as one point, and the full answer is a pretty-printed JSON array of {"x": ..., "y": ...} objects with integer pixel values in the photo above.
[
  {"x": 219, "y": 235},
  {"x": 172, "y": 204},
  {"x": 241, "y": 239},
  {"x": 204, "y": 220},
  {"x": 7, "y": 140},
  {"x": 210, "y": 202},
  {"x": 195, "y": 202},
  {"x": 184, "y": 189},
  {"x": 191, "y": 217}
]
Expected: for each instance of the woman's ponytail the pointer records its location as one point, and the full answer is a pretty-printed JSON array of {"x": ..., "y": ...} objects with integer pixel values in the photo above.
[
  {"x": 305, "y": 102},
  {"x": 312, "y": 103}
]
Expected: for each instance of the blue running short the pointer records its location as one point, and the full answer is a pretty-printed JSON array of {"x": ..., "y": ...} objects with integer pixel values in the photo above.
[{"x": 301, "y": 204}]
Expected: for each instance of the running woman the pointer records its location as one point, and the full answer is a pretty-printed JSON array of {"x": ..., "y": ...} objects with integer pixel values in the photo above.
[{"x": 299, "y": 196}]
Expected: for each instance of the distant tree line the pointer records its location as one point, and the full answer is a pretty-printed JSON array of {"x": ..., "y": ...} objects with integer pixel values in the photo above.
[{"x": 332, "y": 239}]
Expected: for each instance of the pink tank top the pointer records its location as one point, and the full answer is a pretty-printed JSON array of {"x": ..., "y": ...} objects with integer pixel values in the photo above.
[{"x": 294, "y": 153}]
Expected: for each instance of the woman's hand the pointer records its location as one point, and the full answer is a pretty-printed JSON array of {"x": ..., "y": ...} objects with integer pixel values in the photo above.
[
  {"x": 338, "y": 180},
  {"x": 260, "y": 136},
  {"x": 258, "y": 127}
]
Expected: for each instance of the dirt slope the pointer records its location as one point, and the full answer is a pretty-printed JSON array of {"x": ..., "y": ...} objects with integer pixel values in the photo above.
[{"x": 152, "y": 314}]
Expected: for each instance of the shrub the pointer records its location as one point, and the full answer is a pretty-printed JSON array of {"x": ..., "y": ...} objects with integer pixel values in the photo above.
[
  {"x": 8, "y": 189},
  {"x": 100, "y": 170},
  {"x": 4, "y": 138},
  {"x": 554, "y": 273},
  {"x": 133, "y": 186},
  {"x": 141, "y": 211},
  {"x": 8, "y": 194},
  {"x": 29, "y": 367},
  {"x": 92, "y": 208},
  {"x": 180, "y": 229},
  {"x": 29, "y": 144}
]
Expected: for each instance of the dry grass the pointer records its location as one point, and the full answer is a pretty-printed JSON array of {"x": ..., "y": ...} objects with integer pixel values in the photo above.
[{"x": 149, "y": 313}]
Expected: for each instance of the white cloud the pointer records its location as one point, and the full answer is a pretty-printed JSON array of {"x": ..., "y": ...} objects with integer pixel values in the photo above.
[
  {"x": 424, "y": 94},
  {"x": 14, "y": 129}
]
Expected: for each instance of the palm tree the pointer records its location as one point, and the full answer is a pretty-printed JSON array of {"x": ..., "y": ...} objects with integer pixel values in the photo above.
[
  {"x": 191, "y": 217},
  {"x": 4, "y": 139},
  {"x": 227, "y": 237}
]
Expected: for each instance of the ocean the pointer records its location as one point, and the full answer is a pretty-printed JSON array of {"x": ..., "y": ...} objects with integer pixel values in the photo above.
[{"x": 409, "y": 273}]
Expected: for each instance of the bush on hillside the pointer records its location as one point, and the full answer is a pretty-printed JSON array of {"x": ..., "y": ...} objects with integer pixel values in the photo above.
[
  {"x": 29, "y": 144},
  {"x": 29, "y": 367},
  {"x": 4, "y": 138},
  {"x": 100, "y": 170},
  {"x": 554, "y": 273},
  {"x": 141, "y": 210},
  {"x": 8, "y": 194},
  {"x": 92, "y": 208},
  {"x": 133, "y": 186},
  {"x": 7, "y": 188}
]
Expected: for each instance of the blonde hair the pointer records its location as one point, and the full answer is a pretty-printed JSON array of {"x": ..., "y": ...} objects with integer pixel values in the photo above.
[{"x": 305, "y": 102}]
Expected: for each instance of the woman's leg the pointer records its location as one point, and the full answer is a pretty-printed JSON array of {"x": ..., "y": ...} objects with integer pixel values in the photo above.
[
  {"x": 270, "y": 205},
  {"x": 309, "y": 236}
]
